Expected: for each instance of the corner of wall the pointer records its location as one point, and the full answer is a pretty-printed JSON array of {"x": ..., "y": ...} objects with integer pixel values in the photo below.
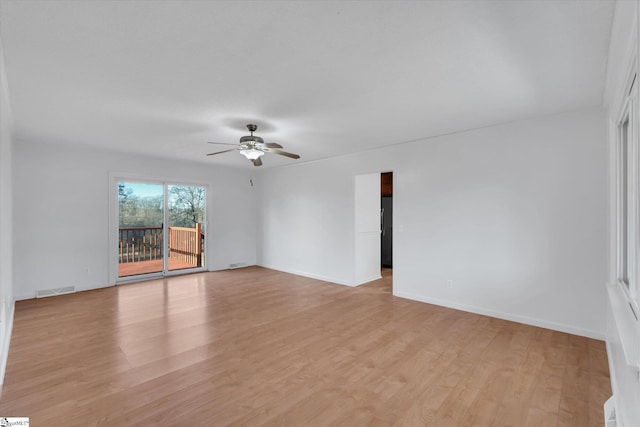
[
  {"x": 622, "y": 47},
  {"x": 6, "y": 219},
  {"x": 7, "y": 328}
]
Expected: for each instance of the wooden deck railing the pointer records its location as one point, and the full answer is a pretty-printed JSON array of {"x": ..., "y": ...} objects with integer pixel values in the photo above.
[
  {"x": 138, "y": 244},
  {"x": 185, "y": 244}
]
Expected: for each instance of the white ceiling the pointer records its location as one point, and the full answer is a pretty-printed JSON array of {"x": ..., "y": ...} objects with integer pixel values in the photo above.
[{"x": 321, "y": 78}]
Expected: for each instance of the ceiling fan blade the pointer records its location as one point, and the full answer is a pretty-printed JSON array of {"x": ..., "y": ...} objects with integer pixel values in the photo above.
[
  {"x": 257, "y": 162},
  {"x": 272, "y": 145},
  {"x": 283, "y": 153},
  {"x": 220, "y": 152},
  {"x": 220, "y": 143}
]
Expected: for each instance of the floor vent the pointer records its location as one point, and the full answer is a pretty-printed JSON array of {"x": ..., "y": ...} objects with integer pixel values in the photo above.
[
  {"x": 53, "y": 292},
  {"x": 610, "y": 413},
  {"x": 238, "y": 265}
]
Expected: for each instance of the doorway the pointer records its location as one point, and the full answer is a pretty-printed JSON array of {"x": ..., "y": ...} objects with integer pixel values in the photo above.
[
  {"x": 161, "y": 229},
  {"x": 367, "y": 228},
  {"x": 386, "y": 220},
  {"x": 373, "y": 237}
]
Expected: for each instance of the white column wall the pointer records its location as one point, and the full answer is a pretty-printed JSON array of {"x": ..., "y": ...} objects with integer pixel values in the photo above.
[
  {"x": 6, "y": 219},
  {"x": 367, "y": 228}
]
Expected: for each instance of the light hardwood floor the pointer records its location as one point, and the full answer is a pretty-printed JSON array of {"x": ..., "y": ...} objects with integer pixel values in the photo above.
[
  {"x": 259, "y": 347},
  {"x": 154, "y": 266}
]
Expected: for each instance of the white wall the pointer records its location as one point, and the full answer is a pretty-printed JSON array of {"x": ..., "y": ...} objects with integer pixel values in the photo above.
[
  {"x": 307, "y": 219},
  {"x": 622, "y": 327},
  {"x": 62, "y": 211},
  {"x": 366, "y": 259},
  {"x": 6, "y": 220},
  {"x": 515, "y": 215}
]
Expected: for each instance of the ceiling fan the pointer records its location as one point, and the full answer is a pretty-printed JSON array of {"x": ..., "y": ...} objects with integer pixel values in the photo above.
[{"x": 252, "y": 147}]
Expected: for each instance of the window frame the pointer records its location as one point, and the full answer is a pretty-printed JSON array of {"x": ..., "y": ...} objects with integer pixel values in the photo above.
[
  {"x": 627, "y": 198},
  {"x": 114, "y": 178}
]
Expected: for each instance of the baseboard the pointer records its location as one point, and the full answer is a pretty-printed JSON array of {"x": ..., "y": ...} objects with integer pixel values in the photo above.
[
  {"x": 370, "y": 279},
  {"x": 22, "y": 297},
  {"x": 5, "y": 345},
  {"x": 309, "y": 275},
  {"x": 505, "y": 316},
  {"x": 91, "y": 288}
]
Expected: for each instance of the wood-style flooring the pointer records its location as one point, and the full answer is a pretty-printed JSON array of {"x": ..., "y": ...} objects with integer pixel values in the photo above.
[
  {"x": 259, "y": 347},
  {"x": 153, "y": 266}
]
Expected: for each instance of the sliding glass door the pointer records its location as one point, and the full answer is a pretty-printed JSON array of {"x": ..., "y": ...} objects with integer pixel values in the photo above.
[
  {"x": 161, "y": 228},
  {"x": 186, "y": 227},
  {"x": 140, "y": 228}
]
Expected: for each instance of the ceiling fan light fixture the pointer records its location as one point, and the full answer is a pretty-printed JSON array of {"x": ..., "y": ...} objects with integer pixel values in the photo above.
[
  {"x": 253, "y": 147},
  {"x": 251, "y": 139},
  {"x": 252, "y": 153}
]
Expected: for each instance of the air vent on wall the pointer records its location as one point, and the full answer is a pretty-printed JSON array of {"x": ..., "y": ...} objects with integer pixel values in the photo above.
[{"x": 53, "y": 292}]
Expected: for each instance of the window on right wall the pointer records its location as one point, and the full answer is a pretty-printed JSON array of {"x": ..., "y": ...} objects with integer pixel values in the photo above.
[{"x": 628, "y": 225}]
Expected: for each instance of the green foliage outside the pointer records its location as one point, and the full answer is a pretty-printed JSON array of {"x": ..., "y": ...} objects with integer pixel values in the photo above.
[{"x": 186, "y": 207}]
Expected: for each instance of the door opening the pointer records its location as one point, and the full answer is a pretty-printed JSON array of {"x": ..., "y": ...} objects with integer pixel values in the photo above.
[{"x": 386, "y": 220}]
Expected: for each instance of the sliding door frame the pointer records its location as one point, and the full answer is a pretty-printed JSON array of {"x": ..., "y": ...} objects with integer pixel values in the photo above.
[{"x": 114, "y": 224}]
